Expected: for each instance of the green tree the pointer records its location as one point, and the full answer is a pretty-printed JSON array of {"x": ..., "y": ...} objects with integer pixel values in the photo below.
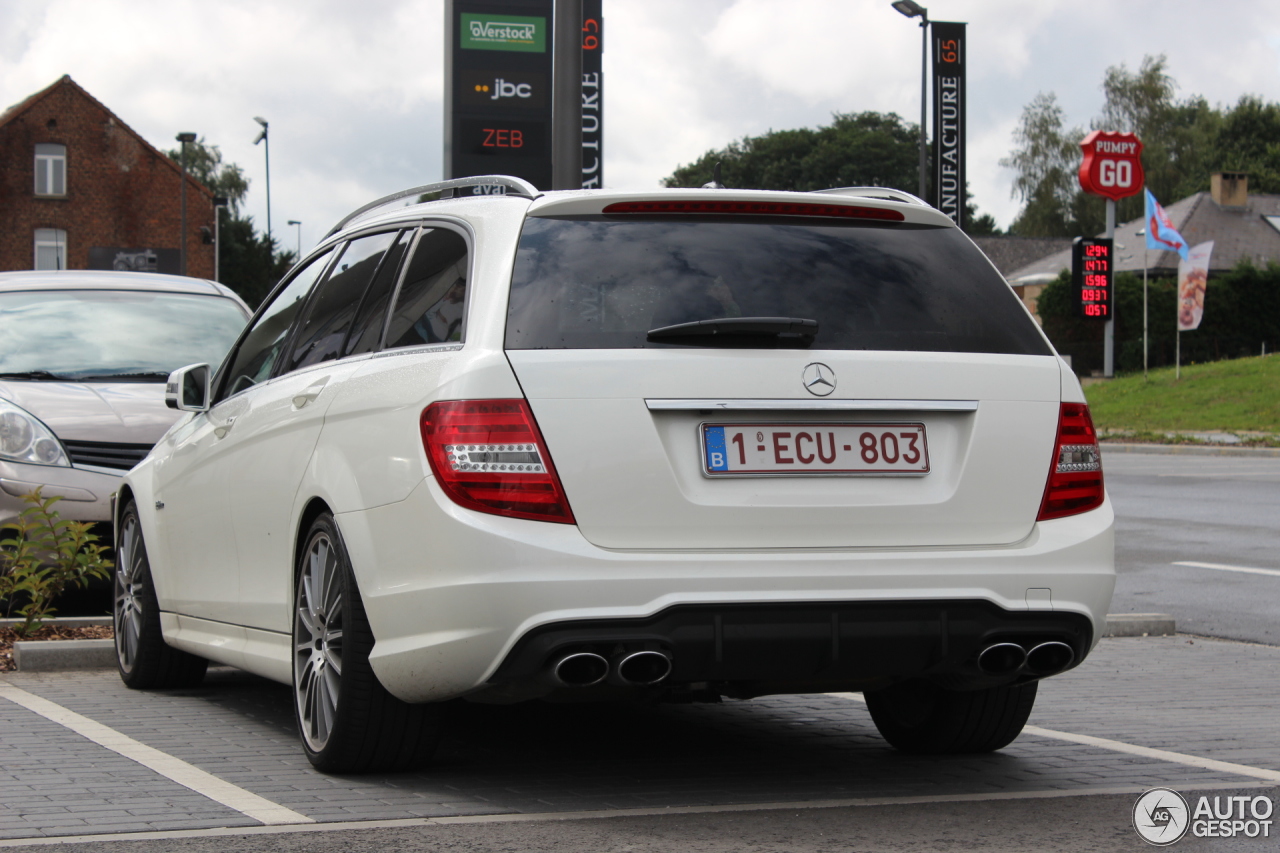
[
  {"x": 204, "y": 162},
  {"x": 249, "y": 263},
  {"x": 1183, "y": 142},
  {"x": 866, "y": 149}
]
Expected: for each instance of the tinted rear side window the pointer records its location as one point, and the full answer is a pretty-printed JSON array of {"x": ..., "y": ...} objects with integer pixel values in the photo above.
[
  {"x": 591, "y": 283},
  {"x": 322, "y": 335}
]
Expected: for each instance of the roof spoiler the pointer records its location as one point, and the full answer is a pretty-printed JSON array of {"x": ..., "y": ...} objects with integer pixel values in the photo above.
[
  {"x": 510, "y": 186},
  {"x": 876, "y": 192}
]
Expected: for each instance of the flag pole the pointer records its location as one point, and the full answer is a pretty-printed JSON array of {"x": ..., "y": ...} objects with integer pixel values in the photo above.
[{"x": 1144, "y": 312}]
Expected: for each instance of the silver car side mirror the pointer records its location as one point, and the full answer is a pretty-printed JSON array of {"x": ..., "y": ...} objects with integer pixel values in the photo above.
[{"x": 187, "y": 388}]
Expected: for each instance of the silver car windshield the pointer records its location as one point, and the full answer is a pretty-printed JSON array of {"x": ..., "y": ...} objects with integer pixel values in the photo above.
[{"x": 112, "y": 334}]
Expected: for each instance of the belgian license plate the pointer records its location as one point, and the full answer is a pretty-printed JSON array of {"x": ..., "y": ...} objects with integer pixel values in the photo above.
[{"x": 793, "y": 449}]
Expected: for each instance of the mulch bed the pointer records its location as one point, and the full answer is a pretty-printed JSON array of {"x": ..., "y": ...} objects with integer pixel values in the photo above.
[{"x": 48, "y": 632}]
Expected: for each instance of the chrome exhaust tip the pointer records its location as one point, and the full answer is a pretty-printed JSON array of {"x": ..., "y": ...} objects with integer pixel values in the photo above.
[
  {"x": 1050, "y": 658},
  {"x": 1002, "y": 659},
  {"x": 643, "y": 668},
  {"x": 580, "y": 669}
]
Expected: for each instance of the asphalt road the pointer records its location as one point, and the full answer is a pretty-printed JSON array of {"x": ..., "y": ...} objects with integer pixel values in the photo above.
[{"x": 1219, "y": 510}]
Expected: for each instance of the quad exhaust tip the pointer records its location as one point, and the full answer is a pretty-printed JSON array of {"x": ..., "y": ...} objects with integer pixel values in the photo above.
[
  {"x": 1002, "y": 658},
  {"x": 643, "y": 668},
  {"x": 580, "y": 669},
  {"x": 1049, "y": 658}
]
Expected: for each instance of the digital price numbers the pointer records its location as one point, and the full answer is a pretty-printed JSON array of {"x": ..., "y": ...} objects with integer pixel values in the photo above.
[{"x": 1092, "y": 278}]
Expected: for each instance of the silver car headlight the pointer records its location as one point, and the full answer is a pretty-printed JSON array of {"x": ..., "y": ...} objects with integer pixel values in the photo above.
[{"x": 24, "y": 439}]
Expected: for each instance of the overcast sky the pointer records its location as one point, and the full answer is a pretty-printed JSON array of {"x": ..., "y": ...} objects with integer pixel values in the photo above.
[{"x": 353, "y": 89}]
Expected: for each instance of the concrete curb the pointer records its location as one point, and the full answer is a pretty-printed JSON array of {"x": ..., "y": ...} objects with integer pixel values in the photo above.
[
  {"x": 1139, "y": 625},
  {"x": 63, "y": 621},
  {"x": 54, "y": 655},
  {"x": 1188, "y": 449}
]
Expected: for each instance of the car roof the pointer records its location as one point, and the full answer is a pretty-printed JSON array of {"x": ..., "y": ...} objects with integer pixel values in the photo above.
[
  {"x": 112, "y": 280},
  {"x": 401, "y": 206}
]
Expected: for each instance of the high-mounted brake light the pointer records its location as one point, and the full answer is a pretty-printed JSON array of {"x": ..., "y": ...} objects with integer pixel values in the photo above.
[
  {"x": 488, "y": 455},
  {"x": 1075, "y": 477},
  {"x": 754, "y": 208}
]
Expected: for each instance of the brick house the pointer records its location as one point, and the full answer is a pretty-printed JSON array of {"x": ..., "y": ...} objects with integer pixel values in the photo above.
[{"x": 79, "y": 189}]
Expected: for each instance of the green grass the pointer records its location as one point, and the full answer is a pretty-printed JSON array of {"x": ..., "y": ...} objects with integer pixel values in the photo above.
[{"x": 1242, "y": 395}]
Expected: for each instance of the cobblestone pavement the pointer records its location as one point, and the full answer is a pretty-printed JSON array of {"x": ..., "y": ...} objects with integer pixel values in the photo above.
[{"x": 1199, "y": 697}]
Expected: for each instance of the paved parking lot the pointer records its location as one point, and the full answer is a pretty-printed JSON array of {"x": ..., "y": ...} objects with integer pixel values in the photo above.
[{"x": 1183, "y": 712}]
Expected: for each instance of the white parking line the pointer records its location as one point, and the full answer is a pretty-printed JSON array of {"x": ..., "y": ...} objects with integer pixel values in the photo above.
[
  {"x": 605, "y": 814},
  {"x": 189, "y": 776},
  {"x": 1224, "y": 568},
  {"x": 1134, "y": 749}
]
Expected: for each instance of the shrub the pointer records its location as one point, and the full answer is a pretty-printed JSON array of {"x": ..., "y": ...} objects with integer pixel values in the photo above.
[{"x": 46, "y": 555}]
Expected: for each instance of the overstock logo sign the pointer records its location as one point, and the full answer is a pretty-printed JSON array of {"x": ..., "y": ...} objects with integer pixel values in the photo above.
[{"x": 505, "y": 32}]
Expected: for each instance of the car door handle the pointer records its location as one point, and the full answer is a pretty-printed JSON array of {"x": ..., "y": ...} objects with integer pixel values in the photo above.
[
  {"x": 313, "y": 391},
  {"x": 221, "y": 431}
]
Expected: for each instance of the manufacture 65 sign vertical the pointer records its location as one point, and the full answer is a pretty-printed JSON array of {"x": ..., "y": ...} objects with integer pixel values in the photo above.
[{"x": 949, "y": 48}]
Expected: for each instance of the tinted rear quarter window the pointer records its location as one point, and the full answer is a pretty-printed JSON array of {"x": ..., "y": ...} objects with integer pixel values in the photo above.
[
  {"x": 593, "y": 282},
  {"x": 432, "y": 300}
]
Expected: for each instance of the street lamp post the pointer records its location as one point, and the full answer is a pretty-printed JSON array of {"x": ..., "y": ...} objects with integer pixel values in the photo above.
[
  {"x": 299, "y": 224},
  {"x": 219, "y": 202},
  {"x": 912, "y": 9},
  {"x": 262, "y": 137},
  {"x": 184, "y": 138}
]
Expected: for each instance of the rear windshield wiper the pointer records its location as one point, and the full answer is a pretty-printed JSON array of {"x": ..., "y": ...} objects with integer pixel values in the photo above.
[
  {"x": 781, "y": 327},
  {"x": 37, "y": 374}
]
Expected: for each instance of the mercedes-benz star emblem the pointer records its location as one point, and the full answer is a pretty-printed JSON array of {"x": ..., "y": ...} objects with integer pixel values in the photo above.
[{"x": 819, "y": 379}]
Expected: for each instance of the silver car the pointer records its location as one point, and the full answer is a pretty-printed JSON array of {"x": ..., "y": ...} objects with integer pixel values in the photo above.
[{"x": 83, "y": 360}]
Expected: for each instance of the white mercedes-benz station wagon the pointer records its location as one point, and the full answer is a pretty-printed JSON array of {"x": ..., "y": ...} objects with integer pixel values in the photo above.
[{"x": 597, "y": 445}]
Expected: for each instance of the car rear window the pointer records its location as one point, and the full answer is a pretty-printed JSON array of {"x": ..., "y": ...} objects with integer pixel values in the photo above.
[{"x": 596, "y": 283}]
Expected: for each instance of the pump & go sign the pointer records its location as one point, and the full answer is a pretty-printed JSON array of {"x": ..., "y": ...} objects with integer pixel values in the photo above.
[{"x": 1112, "y": 165}]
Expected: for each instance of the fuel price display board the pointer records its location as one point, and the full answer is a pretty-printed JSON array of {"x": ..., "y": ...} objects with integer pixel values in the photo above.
[{"x": 1092, "y": 279}]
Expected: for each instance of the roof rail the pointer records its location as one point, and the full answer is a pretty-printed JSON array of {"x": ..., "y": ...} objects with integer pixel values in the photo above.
[
  {"x": 511, "y": 186},
  {"x": 876, "y": 192}
]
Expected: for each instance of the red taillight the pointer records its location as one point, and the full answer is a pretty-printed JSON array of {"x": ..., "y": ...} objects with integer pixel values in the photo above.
[
  {"x": 489, "y": 456},
  {"x": 755, "y": 208},
  {"x": 1075, "y": 477}
]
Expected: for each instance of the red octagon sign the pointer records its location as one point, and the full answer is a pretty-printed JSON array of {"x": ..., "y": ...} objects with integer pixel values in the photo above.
[{"x": 1112, "y": 166}]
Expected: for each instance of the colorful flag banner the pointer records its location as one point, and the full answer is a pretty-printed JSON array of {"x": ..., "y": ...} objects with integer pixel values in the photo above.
[
  {"x": 1161, "y": 235},
  {"x": 1193, "y": 277}
]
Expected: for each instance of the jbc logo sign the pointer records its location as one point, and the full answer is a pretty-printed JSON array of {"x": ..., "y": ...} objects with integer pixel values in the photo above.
[{"x": 504, "y": 89}]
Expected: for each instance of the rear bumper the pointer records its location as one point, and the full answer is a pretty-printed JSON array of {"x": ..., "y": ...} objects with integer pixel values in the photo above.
[
  {"x": 753, "y": 650},
  {"x": 457, "y": 597}
]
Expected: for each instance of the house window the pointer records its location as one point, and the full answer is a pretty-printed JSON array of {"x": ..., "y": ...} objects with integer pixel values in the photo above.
[
  {"x": 51, "y": 249},
  {"x": 51, "y": 169}
]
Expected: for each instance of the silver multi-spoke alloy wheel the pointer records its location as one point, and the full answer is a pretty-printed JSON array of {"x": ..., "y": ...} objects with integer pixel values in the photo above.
[
  {"x": 129, "y": 581},
  {"x": 145, "y": 661},
  {"x": 317, "y": 639}
]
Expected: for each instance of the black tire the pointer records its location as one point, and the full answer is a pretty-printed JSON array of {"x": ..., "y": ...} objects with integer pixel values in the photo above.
[
  {"x": 143, "y": 658},
  {"x": 920, "y": 717},
  {"x": 348, "y": 721}
]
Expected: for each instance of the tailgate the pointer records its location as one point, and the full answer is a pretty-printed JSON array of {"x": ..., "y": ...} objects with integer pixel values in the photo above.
[{"x": 623, "y": 427}]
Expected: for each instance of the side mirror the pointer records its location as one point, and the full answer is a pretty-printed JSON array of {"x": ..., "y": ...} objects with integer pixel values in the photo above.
[{"x": 187, "y": 388}]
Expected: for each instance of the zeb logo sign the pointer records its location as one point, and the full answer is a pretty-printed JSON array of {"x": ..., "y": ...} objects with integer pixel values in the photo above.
[{"x": 504, "y": 32}]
